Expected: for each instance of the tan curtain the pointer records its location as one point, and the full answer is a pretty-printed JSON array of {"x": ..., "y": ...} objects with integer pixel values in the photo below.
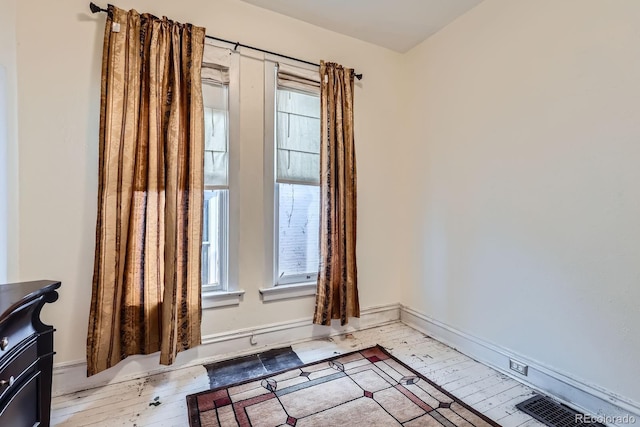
[
  {"x": 337, "y": 296},
  {"x": 146, "y": 284}
]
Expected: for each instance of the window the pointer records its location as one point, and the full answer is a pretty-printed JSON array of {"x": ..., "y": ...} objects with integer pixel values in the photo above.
[
  {"x": 215, "y": 91},
  {"x": 220, "y": 234},
  {"x": 291, "y": 180},
  {"x": 297, "y": 191}
]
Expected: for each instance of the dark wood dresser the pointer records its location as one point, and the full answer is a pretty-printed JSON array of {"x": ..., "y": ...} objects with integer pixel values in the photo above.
[{"x": 26, "y": 354}]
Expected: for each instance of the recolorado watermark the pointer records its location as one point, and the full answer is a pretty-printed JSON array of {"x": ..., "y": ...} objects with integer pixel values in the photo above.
[{"x": 605, "y": 419}]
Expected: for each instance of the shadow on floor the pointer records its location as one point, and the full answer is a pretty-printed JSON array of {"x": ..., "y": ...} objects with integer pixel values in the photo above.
[{"x": 253, "y": 366}]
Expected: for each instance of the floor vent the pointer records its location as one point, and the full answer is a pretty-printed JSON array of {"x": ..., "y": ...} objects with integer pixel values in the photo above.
[{"x": 552, "y": 413}]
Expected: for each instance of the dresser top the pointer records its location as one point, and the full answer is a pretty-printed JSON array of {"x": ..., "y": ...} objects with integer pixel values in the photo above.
[{"x": 15, "y": 295}]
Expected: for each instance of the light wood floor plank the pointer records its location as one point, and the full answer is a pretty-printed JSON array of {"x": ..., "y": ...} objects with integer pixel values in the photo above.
[
  {"x": 468, "y": 377},
  {"x": 485, "y": 383}
]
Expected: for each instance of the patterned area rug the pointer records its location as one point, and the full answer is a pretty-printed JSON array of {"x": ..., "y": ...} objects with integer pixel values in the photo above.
[{"x": 364, "y": 388}]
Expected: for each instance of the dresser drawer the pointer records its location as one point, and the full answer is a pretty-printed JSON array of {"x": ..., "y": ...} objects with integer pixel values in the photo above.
[
  {"x": 18, "y": 366},
  {"x": 15, "y": 330},
  {"x": 21, "y": 409}
]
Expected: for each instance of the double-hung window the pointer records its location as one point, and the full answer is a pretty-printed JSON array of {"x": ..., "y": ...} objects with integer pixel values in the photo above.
[
  {"x": 297, "y": 176},
  {"x": 215, "y": 91}
]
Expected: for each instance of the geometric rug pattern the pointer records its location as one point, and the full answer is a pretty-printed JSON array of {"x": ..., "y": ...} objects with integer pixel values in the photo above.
[{"x": 364, "y": 388}]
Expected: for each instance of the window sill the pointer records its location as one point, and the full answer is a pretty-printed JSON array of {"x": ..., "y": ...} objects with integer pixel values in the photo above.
[
  {"x": 288, "y": 291},
  {"x": 221, "y": 298}
]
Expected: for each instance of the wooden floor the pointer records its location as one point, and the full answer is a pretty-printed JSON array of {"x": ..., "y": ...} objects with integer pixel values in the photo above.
[{"x": 130, "y": 403}]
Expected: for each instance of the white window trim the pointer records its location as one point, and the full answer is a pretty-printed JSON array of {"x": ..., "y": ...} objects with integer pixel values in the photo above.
[
  {"x": 233, "y": 295},
  {"x": 275, "y": 290},
  {"x": 289, "y": 291},
  {"x": 221, "y": 298},
  {"x": 270, "y": 83}
]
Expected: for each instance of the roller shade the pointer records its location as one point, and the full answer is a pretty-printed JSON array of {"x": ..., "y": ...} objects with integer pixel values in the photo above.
[{"x": 297, "y": 137}]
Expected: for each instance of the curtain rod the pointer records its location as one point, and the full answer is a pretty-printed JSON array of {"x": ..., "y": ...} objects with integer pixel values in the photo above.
[{"x": 96, "y": 9}]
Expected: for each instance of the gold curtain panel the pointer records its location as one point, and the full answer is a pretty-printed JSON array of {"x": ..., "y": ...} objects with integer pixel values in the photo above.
[
  {"x": 146, "y": 285},
  {"x": 337, "y": 296}
]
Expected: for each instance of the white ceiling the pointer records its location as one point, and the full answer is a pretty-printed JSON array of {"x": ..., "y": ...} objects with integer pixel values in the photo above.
[{"x": 395, "y": 24}]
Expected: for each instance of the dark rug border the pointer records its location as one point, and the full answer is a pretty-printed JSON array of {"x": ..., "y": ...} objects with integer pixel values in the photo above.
[{"x": 194, "y": 412}]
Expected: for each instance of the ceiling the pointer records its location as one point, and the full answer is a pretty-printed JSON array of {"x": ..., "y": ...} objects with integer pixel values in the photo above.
[{"x": 396, "y": 24}]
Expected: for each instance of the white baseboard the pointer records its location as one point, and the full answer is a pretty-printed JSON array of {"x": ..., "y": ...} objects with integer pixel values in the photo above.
[
  {"x": 577, "y": 393},
  {"x": 69, "y": 377}
]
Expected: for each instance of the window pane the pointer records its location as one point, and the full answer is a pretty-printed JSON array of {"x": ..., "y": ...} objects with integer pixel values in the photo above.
[
  {"x": 205, "y": 264},
  {"x": 298, "y": 230},
  {"x": 213, "y": 235},
  {"x": 205, "y": 218}
]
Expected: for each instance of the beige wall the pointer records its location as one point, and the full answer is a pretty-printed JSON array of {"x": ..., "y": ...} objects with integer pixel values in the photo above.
[
  {"x": 59, "y": 58},
  {"x": 522, "y": 183},
  {"x": 8, "y": 144},
  {"x": 498, "y": 178}
]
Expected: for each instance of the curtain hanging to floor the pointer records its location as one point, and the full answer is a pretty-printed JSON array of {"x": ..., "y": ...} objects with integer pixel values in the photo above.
[
  {"x": 337, "y": 295},
  {"x": 146, "y": 286}
]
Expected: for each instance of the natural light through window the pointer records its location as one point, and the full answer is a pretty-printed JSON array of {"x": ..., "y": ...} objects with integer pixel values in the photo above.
[{"x": 297, "y": 192}]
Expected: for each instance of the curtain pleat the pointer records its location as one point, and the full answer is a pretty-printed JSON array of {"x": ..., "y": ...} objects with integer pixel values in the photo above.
[
  {"x": 337, "y": 294},
  {"x": 146, "y": 285}
]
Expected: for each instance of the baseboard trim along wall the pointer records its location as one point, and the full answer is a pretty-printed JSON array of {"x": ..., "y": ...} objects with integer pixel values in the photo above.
[
  {"x": 69, "y": 377},
  {"x": 585, "y": 397}
]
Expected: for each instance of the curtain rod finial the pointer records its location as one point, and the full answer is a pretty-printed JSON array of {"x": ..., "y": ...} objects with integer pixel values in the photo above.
[{"x": 95, "y": 8}]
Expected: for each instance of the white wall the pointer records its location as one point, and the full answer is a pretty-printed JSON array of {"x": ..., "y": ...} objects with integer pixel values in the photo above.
[
  {"x": 8, "y": 144},
  {"x": 59, "y": 57},
  {"x": 522, "y": 178}
]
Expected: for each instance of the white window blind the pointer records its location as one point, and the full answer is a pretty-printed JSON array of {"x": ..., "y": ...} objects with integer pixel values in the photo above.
[
  {"x": 215, "y": 64},
  {"x": 297, "y": 126},
  {"x": 215, "y": 92},
  {"x": 298, "y": 78}
]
